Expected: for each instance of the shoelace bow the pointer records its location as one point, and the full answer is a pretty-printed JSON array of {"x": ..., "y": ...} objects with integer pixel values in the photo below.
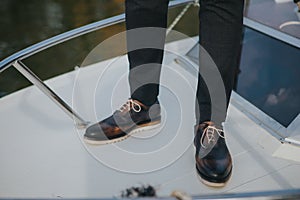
[
  {"x": 209, "y": 132},
  {"x": 131, "y": 104}
]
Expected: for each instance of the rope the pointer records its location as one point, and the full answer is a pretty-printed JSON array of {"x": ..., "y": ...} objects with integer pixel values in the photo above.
[
  {"x": 288, "y": 24},
  {"x": 181, "y": 14}
]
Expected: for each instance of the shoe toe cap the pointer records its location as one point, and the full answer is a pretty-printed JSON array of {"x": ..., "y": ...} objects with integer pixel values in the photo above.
[
  {"x": 96, "y": 132},
  {"x": 215, "y": 170}
]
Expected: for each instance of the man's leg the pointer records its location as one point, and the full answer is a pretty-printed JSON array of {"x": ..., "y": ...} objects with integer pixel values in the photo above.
[
  {"x": 145, "y": 63},
  {"x": 142, "y": 111},
  {"x": 220, "y": 35}
]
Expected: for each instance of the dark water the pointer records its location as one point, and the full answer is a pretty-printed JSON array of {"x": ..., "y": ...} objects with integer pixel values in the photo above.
[
  {"x": 26, "y": 22},
  {"x": 30, "y": 21}
]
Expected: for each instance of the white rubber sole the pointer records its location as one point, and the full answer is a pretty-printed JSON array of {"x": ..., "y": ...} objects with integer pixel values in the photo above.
[
  {"x": 145, "y": 127},
  {"x": 211, "y": 184}
]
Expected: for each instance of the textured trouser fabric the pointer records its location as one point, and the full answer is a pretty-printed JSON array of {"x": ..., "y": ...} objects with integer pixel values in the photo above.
[{"x": 220, "y": 35}]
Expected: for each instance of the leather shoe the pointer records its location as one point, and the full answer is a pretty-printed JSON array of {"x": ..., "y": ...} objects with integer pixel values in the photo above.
[
  {"x": 213, "y": 159},
  {"x": 132, "y": 117}
]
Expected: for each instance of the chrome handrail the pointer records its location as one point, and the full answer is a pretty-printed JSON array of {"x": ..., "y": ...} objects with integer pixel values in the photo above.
[
  {"x": 16, "y": 59},
  {"x": 31, "y": 50}
]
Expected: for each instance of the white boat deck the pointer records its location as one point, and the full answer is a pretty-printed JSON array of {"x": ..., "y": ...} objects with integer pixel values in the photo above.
[{"x": 43, "y": 154}]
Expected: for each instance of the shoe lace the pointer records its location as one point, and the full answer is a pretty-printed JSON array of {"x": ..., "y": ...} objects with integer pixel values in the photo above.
[
  {"x": 131, "y": 104},
  {"x": 209, "y": 132}
]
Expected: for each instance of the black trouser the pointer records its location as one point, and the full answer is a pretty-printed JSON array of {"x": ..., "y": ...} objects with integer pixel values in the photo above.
[{"x": 220, "y": 35}]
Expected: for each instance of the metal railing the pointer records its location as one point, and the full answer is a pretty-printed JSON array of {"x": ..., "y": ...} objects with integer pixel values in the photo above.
[{"x": 15, "y": 60}]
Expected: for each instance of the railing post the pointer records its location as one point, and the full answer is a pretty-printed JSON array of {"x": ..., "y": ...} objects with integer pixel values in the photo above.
[{"x": 34, "y": 79}]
